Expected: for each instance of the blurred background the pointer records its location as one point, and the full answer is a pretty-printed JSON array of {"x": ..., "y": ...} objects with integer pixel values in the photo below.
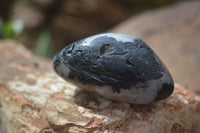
[
  {"x": 170, "y": 27},
  {"x": 46, "y": 26}
]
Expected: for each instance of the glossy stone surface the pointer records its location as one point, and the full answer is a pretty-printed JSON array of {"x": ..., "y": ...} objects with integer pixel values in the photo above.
[{"x": 116, "y": 66}]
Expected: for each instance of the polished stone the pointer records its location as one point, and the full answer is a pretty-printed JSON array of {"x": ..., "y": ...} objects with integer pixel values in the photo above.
[{"x": 116, "y": 66}]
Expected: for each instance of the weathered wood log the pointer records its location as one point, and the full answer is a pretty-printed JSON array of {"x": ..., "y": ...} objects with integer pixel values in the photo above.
[{"x": 34, "y": 99}]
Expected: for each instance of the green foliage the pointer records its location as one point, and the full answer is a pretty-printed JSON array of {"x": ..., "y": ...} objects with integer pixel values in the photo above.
[
  {"x": 44, "y": 45},
  {"x": 11, "y": 29}
]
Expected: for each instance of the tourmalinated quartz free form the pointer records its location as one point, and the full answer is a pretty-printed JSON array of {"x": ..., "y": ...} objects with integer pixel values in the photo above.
[{"x": 116, "y": 66}]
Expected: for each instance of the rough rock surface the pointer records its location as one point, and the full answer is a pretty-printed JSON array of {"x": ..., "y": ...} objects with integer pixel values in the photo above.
[
  {"x": 34, "y": 99},
  {"x": 173, "y": 33}
]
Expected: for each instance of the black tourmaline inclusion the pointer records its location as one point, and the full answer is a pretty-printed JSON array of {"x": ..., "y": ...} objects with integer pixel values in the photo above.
[{"x": 115, "y": 60}]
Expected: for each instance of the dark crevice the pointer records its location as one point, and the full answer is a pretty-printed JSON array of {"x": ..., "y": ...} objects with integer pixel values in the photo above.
[
  {"x": 93, "y": 72},
  {"x": 79, "y": 50},
  {"x": 116, "y": 90},
  {"x": 73, "y": 45},
  {"x": 138, "y": 74},
  {"x": 70, "y": 51},
  {"x": 129, "y": 63},
  {"x": 105, "y": 49}
]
